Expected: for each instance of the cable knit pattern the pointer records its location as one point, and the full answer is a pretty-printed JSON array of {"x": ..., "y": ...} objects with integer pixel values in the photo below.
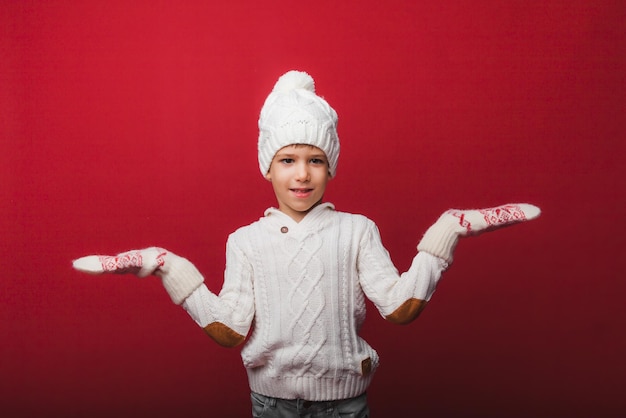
[
  {"x": 306, "y": 302},
  {"x": 299, "y": 290}
]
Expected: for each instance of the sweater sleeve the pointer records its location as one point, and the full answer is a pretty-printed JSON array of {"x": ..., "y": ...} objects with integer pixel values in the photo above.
[
  {"x": 398, "y": 297},
  {"x": 226, "y": 317}
]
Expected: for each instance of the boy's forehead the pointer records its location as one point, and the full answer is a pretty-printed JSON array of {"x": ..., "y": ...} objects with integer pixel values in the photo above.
[{"x": 293, "y": 147}]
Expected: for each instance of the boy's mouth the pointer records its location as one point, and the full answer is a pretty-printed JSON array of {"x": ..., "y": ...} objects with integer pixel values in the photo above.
[{"x": 304, "y": 192}]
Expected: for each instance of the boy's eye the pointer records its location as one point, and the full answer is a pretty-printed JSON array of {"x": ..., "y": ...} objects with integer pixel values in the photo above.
[
  {"x": 317, "y": 161},
  {"x": 286, "y": 160}
]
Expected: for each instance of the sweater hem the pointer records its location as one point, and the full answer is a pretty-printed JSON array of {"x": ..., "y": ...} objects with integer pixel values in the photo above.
[{"x": 309, "y": 388}]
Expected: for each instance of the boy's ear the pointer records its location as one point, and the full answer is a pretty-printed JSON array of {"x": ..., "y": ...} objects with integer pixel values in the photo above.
[{"x": 268, "y": 176}]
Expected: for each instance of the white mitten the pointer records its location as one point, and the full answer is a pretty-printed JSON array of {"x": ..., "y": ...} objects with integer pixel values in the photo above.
[
  {"x": 179, "y": 276},
  {"x": 441, "y": 238}
]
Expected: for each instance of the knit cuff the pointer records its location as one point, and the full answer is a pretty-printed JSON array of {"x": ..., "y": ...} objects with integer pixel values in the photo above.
[
  {"x": 441, "y": 238},
  {"x": 180, "y": 278}
]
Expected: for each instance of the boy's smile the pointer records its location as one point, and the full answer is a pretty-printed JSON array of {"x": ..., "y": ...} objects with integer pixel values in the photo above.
[
  {"x": 299, "y": 174},
  {"x": 301, "y": 193}
]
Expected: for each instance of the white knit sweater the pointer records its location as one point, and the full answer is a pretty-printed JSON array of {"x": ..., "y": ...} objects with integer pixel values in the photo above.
[{"x": 298, "y": 290}]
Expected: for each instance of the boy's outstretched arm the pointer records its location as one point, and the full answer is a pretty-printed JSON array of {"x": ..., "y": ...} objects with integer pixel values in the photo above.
[
  {"x": 179, "y": 276},
  {"x": 436, "y": 251}
]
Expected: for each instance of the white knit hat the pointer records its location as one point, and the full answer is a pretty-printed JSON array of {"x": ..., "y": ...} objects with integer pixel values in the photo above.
[{"x": 294, "y": 114}]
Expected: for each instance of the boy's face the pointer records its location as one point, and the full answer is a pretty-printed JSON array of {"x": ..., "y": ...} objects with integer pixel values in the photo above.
[{"x": 299, "y": 174}]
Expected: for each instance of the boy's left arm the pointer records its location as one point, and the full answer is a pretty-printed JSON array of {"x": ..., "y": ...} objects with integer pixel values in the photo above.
[{"x": 401, "y": 301}]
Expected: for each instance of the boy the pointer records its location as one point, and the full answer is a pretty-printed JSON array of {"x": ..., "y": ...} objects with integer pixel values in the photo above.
[{"x": 296, "y": 280}]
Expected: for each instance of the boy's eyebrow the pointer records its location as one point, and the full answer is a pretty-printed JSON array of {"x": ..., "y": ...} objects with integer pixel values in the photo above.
[
  {"x": 284, "y": 154},
  {"x": 290, "y": 155}
]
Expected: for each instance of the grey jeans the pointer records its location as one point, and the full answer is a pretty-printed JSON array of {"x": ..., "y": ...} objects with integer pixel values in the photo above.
[{"x": 267, "y": 407}]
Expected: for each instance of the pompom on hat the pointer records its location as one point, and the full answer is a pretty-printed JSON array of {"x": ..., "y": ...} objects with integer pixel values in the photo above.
[{"x": 294, "y": 114}]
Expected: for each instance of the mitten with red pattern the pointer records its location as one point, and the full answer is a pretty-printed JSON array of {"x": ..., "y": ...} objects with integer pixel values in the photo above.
[
  {"x": 442, "y": 237},
  {"x": 178, "y": 275}
]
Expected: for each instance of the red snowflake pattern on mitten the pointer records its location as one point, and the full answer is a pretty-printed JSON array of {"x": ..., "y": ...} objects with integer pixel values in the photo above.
[
  {"x": 138, "y": 262},
  {"x": 489, "y": 218},
  {"x": 504, "y": 214},
  {"x": 130, "y": 262}
]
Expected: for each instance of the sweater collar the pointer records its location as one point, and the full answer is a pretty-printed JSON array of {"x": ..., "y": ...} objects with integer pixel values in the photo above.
[{"x": 315, "y": 216}]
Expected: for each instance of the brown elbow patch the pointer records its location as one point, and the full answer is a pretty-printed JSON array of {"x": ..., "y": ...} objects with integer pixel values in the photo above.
[
  {"x": 223, "y": 335},
  {"x": 407, "y": 312}
]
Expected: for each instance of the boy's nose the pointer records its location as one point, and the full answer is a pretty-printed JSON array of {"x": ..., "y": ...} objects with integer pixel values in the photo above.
[{"x": 302, "y": 172}]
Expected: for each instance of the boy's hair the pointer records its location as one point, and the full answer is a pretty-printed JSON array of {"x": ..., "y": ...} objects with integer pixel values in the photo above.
[{"x": 294, "y": 114}]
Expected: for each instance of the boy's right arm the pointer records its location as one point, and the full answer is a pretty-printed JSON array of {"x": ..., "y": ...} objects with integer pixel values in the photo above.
[{"x": 185, "y": 286}]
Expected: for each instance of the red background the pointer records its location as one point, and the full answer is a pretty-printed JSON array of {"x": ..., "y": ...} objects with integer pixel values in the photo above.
[{"x": 129, "y": 124}]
